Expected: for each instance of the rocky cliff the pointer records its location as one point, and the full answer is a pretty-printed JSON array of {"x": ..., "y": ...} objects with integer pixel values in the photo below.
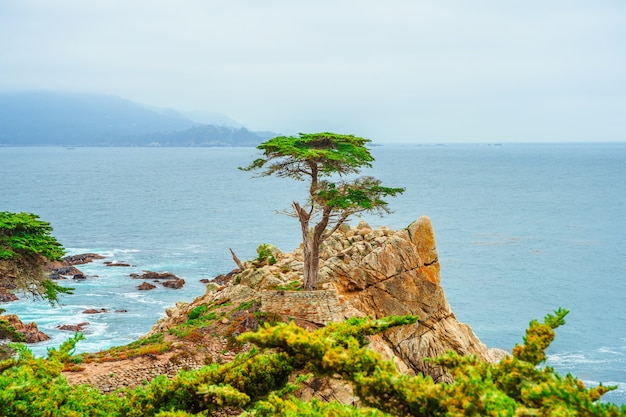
[
  {"x": 11, "y": 327},
  {"x": 363, "y": 272}
]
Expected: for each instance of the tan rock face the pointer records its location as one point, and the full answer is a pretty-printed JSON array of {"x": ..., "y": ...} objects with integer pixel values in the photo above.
[
  {"x": 422, "y": 236},
  {"x": 29, "y": 330},
  {"x": 399, "y": 275}
]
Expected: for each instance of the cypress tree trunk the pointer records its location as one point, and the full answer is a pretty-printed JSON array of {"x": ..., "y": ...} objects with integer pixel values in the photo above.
[
  {"x": 310, "y": 267},
  {"x": 311, "y": 242},
  {"x": 311, "y": 261}
]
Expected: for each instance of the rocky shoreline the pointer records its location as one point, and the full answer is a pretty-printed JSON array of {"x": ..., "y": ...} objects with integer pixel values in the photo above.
[{"x": 66, "y": 269}]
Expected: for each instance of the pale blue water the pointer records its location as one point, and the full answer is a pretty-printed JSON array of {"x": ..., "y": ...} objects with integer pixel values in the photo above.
[{"x": 521, "y": 230}]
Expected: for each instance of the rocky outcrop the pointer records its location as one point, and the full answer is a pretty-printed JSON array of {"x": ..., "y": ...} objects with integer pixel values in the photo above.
[
  {"x": 169, "y": 280},
  {"x": 154, "y": 275},
  {"x": 95, "y": 311},
  {"x": 174, "y": 283},
  {"x": 29, "y": 330},
  {"x": 58, "y": 270},
  {"x": 7, "y": 296},
  {"x": 366, "y": 272},
  {"x": 65, "y": 267},
  {"x": 117, "y": 263},
  {"x": 398, "y": 273},
  {"x": 82, "y": 258},
  {"x": 145, "y": 286},
  {"x": 73, "y": 327},
  {"x": 363, "y": 272}
]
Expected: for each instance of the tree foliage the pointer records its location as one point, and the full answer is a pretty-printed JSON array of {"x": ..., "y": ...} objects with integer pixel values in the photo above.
[
  {"x": 26, "y": 244},
  {"x": 24, "y": 233},
  {"x": 256, "y": 383},
  {"x": 318, "y": 158}
]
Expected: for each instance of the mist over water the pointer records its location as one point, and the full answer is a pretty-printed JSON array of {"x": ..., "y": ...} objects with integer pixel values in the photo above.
[{"x": 521, "y": 230}]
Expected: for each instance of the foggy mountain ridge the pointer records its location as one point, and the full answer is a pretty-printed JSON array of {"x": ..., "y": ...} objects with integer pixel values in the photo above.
[{"x": 79, "y": 119}]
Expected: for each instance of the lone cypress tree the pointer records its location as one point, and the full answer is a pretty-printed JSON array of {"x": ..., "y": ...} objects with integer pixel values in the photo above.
[{"x": 316, "y": 157}]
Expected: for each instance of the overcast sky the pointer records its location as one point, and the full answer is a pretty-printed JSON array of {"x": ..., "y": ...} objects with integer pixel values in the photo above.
[{"x": 391, "y": 71}]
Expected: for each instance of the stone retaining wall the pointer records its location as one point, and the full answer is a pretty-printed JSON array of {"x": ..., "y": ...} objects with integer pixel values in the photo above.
[{"x": 315, "y": 306}]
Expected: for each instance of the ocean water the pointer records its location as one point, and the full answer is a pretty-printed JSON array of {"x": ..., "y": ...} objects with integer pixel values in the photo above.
[{"x": 521, "y": 230}]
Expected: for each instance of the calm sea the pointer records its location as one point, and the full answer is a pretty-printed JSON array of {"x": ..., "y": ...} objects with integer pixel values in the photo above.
[{"x": 521, "y": 230}]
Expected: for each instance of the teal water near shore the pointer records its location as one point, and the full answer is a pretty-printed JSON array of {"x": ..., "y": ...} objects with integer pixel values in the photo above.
[{"x": 521, "y": 230}]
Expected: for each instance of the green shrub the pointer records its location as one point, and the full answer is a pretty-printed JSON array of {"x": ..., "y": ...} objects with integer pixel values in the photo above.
[
  {"x": 245, "y": 305},
  {"x": 196, "y": 320},
  {"x": 295, "y": 285},
  {"x": 257, "y": 381},
  {"x": 197, "y": 312},
  {"x": 265, "y": 253}
]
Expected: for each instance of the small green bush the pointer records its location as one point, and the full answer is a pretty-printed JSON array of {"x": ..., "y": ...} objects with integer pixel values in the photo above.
[
  {"x": 266, "y": 254},
  {"x": 245, "y": 305},
  {"x": 295, "y": 285},
  {"x": 197, "y": 312}
]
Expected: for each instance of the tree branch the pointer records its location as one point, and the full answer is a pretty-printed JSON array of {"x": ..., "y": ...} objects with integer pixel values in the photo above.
[
  {"x": 236, "y": 259},
  {"x": 338, "y": 224}
]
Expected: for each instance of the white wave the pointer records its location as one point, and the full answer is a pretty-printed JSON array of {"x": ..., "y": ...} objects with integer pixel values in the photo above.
[
  {"x": 611, "y": 351},
  {"x": 96, "y": 330},
  {"x": 564, "y": 359},
  {"x": 107, "y": 253},
  {"x": 117, "y": 250},
  {"x": 75, "y": 251},
  {"x": 143, "y": 299}
]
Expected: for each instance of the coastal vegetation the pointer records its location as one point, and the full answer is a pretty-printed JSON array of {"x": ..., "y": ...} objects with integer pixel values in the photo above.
[
  {"x": 262, "y": 380},
  {"x": 26, "y": 245},
  {"x": 320, "y": 158}
]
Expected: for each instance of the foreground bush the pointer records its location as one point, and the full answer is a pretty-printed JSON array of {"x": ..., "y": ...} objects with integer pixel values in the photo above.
[{"x": 257, "y": 381}]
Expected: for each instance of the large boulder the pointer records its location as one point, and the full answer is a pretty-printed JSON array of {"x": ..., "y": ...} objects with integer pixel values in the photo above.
[
  {"x": 73, "y": 327},
  {"x": 82, "y": 258},
  {"x": 58, "y": 269},
  {"x": 146, "y": 286},
  {"x": 154, "y": 275},
  {"x": 95, "y": 311},
  {"x": 65, "y": 267},
  {"x": 7, "y": 296},
  {"x": 29, "y": 330},
  {"x": 174, "y": 283}
]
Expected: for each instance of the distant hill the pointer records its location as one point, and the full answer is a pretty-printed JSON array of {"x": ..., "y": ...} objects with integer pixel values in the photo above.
[
  {"x": 71, "y": 119},
  {"x": 211, "y": 118},
  {"x": 204, "y": 135}
]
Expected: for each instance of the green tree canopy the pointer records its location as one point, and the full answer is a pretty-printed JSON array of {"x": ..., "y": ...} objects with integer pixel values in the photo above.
[
  {"x": 320, "y": 158},
  {"x": 26, "y": 244},
  {"x": 24, "y": 233}
]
